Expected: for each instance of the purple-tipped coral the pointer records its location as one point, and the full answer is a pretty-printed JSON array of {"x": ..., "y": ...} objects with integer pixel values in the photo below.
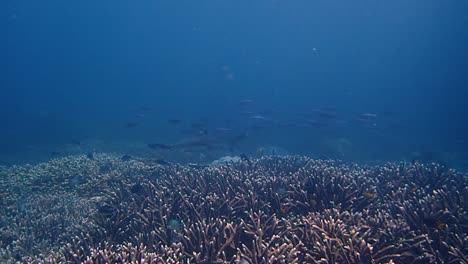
[{"x": 270, "y": 210}]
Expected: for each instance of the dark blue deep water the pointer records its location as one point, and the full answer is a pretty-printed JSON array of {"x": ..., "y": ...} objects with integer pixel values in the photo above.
[{"x": 364, "y": 81}]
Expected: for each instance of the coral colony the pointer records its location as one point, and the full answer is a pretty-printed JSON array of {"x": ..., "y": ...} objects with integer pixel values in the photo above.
[{"x": 270, "y": 210}]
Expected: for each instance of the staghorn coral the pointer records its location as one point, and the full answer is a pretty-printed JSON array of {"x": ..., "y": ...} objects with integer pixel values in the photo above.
[{"x": 271, "y": 210}]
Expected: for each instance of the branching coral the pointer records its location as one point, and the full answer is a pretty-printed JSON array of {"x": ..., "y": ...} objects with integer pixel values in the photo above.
[{"x": 270, "y": 210}]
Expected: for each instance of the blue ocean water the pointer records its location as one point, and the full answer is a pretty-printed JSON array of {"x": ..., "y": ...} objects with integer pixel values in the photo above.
[{"x": 365, "y": 81}]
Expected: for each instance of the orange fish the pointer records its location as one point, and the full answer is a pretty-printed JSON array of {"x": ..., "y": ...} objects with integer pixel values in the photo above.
[
  {"x": 283, "y": 210},
  {"x": 440, "y": 224},
  {"x": 313, "y": 202}
]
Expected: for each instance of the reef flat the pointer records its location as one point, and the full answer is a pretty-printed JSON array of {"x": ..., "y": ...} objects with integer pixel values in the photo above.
[{"x": 288, "y": 209}]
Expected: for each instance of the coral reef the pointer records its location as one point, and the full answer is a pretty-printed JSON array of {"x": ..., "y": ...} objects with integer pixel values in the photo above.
[
  {"x": 271, "y": 210},
  {"x": 226, "y": 159}
]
